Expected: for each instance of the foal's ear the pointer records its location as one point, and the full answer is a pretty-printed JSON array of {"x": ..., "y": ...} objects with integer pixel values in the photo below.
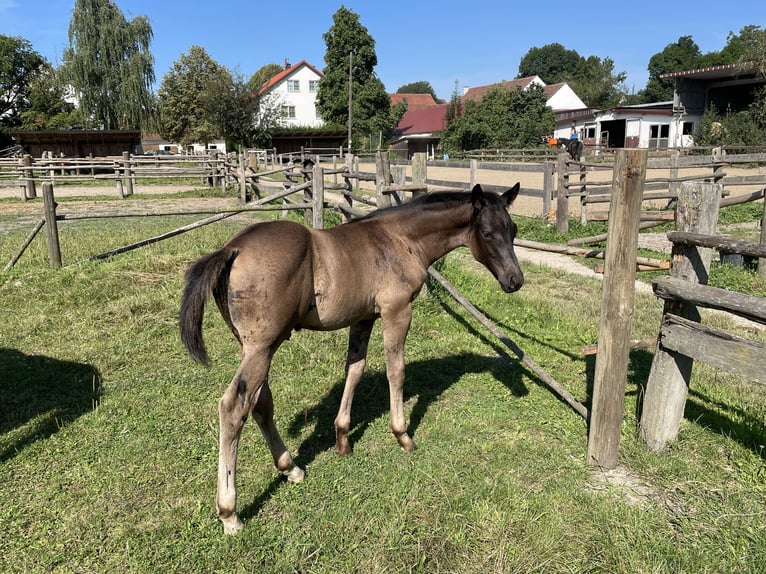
[
  {"x": 477, "y": 197},
  {"x": 510, "y": 195}
]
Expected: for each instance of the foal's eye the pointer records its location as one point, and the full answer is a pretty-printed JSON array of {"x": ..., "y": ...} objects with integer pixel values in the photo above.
[{"x": 487, "y": 234}]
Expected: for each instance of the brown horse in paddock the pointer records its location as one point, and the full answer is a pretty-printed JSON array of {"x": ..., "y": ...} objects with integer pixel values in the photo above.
[{"x": 276, "y": 277}]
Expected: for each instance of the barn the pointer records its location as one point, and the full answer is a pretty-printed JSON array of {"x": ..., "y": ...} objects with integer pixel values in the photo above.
[{"x": 78, "y": 143}]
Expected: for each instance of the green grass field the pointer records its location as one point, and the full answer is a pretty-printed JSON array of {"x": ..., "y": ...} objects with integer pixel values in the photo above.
[{"x": 108, "y": 435}]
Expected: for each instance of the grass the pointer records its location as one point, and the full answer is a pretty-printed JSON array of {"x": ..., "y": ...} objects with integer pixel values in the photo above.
[{"x": 108, "y": 435}]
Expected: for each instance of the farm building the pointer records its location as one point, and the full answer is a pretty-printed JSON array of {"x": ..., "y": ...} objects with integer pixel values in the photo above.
[
  {"x": 729, "y": 87},
  {"x": 420, "y": 128},
  {"x": 652, "y": 126},
  {"x": 670, "y": 124},
  {"x": 78, "y": 143}
]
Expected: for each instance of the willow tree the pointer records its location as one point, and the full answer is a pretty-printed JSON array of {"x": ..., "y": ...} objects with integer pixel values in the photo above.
[{"x": 109, "y": 65}]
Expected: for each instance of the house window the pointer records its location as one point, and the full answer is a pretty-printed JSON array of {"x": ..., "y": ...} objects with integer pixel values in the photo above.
[
  {"x": 288, "y": 112},
  {"x": 688, "y": 128},
  {"x": 590, "y": 133},
  {"x": 317, "y": 115},
  {"x": 293, "y": 85},
  {"x": 658, "y": 136},
  {"x": 313, "y": 86}
]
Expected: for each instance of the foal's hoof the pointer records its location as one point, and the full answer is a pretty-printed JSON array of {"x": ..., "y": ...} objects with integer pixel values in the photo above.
[
  {"x": 232, "y": 525},
  {"x": 343, "y": 447},
  {"x": 295, "y": 474},
  {"x": 406, "y": 442}
]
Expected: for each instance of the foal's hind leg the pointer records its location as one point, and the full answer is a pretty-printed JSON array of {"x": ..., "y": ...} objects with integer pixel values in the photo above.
[
  {"x": 247, "y": 391},
  {"x": 263, "y": 413},
  {"x": 358, "y": 338}
]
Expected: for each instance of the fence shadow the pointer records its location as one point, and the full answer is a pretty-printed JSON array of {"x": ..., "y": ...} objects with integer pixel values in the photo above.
[
  {"x": 745, "y": 427},
  {"x": 424, "y": 380},
  {"x": 40, "y": 395}
]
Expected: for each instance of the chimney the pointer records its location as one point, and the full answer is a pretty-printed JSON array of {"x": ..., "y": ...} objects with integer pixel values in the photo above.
[{"x": 287, "y": 64}]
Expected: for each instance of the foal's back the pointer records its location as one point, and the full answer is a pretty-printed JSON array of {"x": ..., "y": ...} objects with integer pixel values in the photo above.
[{"x": 286, "y": 276}]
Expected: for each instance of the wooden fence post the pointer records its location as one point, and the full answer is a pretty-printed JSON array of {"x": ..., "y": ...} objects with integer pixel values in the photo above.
[
  {"x": 667, "y": 385},
  {"x": 399, "y": 177},
  {"x": 617, "y": 300},
  {"x": 583, "y": 197},
  {"x": 28, "y": 190},
  {"x": 472, "y": 174},
  {"x": 562, "y": 201},
  {"x": 380, "y": 181},
  {"x": 674, "y": 160},
  {"x": 548, "y": 168},
  {"x": 51, "y": 225},
  {"x": 242, "y": 180},
  {"x": 762, "y": 260},
  {"x": 128, "y": 173},
  {"x": 318, "y": 185},
  {"x": 419, "y": 172}
]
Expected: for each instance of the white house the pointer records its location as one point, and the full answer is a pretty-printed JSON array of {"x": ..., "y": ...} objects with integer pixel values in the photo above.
[
  {"x": 294, "y": 91},
  {"x": 559, "y": 96}
]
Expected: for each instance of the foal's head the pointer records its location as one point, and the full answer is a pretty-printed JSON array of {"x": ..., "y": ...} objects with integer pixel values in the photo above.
[{"x": 492, "y": 235}]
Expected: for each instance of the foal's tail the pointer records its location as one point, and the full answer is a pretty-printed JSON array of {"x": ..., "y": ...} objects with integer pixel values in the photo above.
[{"x": 208, "y": 275}]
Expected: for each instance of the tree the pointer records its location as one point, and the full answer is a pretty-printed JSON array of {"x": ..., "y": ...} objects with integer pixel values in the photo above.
[
  {"x": 597, "y": 84},
  {"x": 592, "y": 78},
  {"x": 193, "y": 95},
  {"x": 262, "y": 76},
  {"x": 684, "y": 54},
  {"x": 753, "y": 52},
  {"x": 48, "y": 106},
  {"x": 19, "y": 65},
  {"x": 348, "y": 39},
  {"x": 454, "y": 107},
  {"x": 505, "y": 118},
  {"x": 421, "y": 87},
  {"x": 552, "y": 62},
  {"x": 109, "y": 65}
]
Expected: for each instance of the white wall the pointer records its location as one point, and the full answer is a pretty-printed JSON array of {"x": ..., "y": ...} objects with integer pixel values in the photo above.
[
  {"x": 304, "y": 100},
  {"x": 565, "y": 99}
]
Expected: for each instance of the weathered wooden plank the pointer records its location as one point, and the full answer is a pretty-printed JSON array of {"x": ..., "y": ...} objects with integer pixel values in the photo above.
[
  {"x": 718, "y": 243},
  {"x": 747, "y": 306},
  {"x": 719, "y": 349}
]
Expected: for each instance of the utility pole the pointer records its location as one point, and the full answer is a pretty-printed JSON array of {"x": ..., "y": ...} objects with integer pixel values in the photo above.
[{"x": 350, "y": 81}]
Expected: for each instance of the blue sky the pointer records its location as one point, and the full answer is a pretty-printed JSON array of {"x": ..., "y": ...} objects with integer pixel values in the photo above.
[{"x": 471, "y": 43}]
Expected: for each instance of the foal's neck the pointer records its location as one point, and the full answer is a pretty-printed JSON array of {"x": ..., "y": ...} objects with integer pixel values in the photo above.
[{"x": 438, "y": 229}]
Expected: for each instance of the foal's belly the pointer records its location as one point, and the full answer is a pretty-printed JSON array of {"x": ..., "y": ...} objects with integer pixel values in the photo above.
[{"x": 324, "y": 317}]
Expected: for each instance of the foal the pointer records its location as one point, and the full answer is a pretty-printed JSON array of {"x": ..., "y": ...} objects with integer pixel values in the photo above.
[{"x": 276, "y": 277}]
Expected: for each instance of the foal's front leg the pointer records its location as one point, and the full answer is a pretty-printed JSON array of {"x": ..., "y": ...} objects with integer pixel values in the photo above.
[
  {"x": 396, "y": 325},
  {"x": 358, "y": 339}
]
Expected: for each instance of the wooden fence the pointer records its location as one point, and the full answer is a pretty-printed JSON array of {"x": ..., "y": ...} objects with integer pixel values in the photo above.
[
  {"x": 665, "y": 395},
  {"x": 576, "y": 180},
  {"x": 124, "y": 171},
  {"x": 682, "y": 339}
]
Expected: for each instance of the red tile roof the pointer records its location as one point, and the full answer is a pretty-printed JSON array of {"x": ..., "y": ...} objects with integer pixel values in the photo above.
[
  {"x": 422, "y": 121},
  {"x": 414, "y": 101},
  {"x": 477, "y": 94},
  {"x": 285, "y": 73}
]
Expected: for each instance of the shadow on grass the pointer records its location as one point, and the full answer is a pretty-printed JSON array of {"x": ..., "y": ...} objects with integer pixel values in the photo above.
[
  {"x": 40, "y": 395},
  {"x": 745, "y": 427},
  {"x": 424, "y": 380}
]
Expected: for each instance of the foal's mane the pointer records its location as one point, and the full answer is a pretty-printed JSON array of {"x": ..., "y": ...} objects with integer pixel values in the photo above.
[{"x": 440, "y": 199}]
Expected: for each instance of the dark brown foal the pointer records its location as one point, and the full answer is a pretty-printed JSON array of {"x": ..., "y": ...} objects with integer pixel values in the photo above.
[{"x": 273, "y": 278}]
